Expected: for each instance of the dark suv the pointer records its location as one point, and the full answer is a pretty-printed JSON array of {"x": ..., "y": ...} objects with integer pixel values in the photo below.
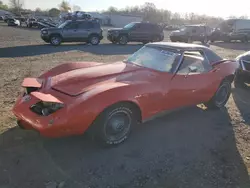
[
  {"x": 243, "y": 71},
  {"x": 73, "y": 31},
  {"x": 136, "y": 32}
]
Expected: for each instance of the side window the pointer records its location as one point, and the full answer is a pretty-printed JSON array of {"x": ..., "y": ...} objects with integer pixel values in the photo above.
[
  {"x": 84, "y": 25},
  {"x": 146, "y": 27},
  {"x": 193, "y": 59},
  {"x": 138, "y": 27},
  {"x": 246, "y": 58},
  {"x": 71, "y": 25}
]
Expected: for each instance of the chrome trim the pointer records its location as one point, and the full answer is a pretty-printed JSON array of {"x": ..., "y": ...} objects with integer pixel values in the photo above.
[
  {"x": 208, "y": 62},
  {"x": 179, "y": 63},
  {"x": 242, "y": 65}
]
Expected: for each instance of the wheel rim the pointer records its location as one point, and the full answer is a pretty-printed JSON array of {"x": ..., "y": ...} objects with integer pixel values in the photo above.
[
  {"x": 94, "y": 40},
  {"x": 55, "y": 40},
  {"x": 123, "y": 40},
  {"x": 117, "y": 126},
  {"x": 222, "y": 94}
]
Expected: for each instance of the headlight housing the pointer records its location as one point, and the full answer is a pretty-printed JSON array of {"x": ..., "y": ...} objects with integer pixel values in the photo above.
[
  {"x": 44, "y": 32},
  {"x": 115, "y": 32},
  {"x": 46, "y": 108}
]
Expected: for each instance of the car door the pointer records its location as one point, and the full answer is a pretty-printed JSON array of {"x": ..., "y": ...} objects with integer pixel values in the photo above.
[
  {"x": 138, "y": 33},
  {"x": 69, "y": 32},
  {"x": 83, "y": 30},
  {"x": 194, "y": 82}
]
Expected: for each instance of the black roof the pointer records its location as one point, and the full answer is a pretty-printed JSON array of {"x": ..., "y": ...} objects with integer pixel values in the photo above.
[{"x": 178, "y": 46}]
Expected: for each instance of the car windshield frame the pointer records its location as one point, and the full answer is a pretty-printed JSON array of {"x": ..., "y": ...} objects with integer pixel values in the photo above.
[
  {"x": 63, "y": 24},
  {"x": 160, "y": 64},
  {"x": 129, "y": 26}
]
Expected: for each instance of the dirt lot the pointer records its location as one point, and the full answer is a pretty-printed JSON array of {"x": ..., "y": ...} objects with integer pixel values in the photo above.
[{"x": 191, "y": 148}]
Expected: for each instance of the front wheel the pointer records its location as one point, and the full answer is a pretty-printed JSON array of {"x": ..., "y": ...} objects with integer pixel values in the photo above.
[
  {"x": 221, "y": 96},
  {"x": 123, "y": 40},
  {"x": 114, "y": 125},
  {"x": 55, "y": 40}
]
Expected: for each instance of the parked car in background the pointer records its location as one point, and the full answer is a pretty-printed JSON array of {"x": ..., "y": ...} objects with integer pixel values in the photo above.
[
  {"x": 109, "y": 99},
  {"x": 13, "y": 22},
  {"x": 232, "y": 30},
  {"x": 6, "y": 18},
  {"x": 21, "y": 19},
  {"x": 74, "y": 31},
  {"x": 31, "y": 22},
  {"x": 136, "y": 32},
  {"x": 243, "y": 72},
  {"x": 190, "y": 33}
]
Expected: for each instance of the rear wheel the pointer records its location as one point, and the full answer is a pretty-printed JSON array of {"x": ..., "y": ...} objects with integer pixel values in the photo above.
[
  {"x": 94, "y": 39},
  {"x": 114, "y": 124},
  {"x": 221, "y": 96}
]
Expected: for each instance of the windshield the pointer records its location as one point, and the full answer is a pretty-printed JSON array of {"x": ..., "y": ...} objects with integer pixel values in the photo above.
[
  {"x": 183, "y": 28},
  {"x": 129, "y": 26},
  {"x": 63, "y": 24},
  {"x": 154, "y": 58}
]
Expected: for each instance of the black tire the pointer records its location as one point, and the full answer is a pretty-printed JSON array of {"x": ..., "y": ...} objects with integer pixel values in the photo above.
[
  {"x": 123, "y": 40},
  {"x": 244, "y": 40},
  {"x": 189, "y": 40},
  {"x": 55, "y": 40},
  {"x": 156, "y": 39},
  {"x": 239, "y": 81},
  {"x": 94, "y": 39},
  {"x": 221, "y": 96},
  {"x": 106, "y": 133}
]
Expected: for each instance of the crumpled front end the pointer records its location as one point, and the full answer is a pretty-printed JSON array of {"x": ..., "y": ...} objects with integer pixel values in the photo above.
[{"x": 43, "y": 112}]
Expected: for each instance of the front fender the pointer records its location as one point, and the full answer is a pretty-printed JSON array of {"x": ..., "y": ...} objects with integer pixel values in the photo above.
[{"x": 93, "y": 102}]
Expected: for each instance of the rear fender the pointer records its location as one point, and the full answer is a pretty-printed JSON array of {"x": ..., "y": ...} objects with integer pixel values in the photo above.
[{"x": 225, "y": 67}]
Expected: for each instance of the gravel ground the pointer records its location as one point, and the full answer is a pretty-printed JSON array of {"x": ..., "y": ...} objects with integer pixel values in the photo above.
[{"x": 192, "y": 147}]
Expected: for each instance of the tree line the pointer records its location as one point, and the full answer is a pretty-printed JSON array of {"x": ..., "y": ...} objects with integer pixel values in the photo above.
[{"x": 148, "y": 11}]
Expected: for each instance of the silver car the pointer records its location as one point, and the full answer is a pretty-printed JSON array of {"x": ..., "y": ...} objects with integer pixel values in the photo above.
[{"x": 73, "y": 31}]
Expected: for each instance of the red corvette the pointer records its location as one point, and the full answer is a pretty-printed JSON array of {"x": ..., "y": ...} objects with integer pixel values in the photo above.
[{"x": 109, "y": 99}]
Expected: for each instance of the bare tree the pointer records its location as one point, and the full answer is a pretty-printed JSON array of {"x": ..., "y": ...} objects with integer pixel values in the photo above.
[
  {"x": 16, "y": 5},
  {"x": 38, "y": 9},
  {"x": 65, "y": 6},
  {"x": 76, "y": 8}
]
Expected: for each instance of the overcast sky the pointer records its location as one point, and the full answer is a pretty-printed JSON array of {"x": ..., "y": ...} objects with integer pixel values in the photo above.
[{"x": 223, "y": 8}]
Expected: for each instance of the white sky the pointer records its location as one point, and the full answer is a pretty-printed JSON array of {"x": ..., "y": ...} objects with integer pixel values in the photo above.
[{"x": 223, "y": 8}]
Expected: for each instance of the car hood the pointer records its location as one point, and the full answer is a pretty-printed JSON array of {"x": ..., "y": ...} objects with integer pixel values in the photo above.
[
  {"x": 177, "y": 32},
  {"x": 115, "y": 29},
  {"x": 51, "y": 28},
  {"x": 78, "y": 81}
]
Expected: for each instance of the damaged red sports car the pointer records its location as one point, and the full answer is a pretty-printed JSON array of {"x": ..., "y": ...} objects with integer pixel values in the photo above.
[{"x": 108, "y": 99}]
